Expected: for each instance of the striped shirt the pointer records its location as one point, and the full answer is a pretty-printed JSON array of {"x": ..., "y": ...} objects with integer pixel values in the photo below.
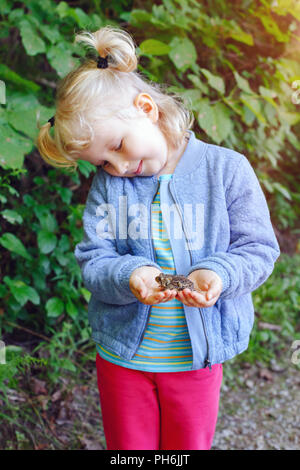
[{"x": 166, "y": 345}]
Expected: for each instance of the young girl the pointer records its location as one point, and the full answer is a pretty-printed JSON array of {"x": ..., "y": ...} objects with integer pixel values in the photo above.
[{"x": 161, "y": 201}]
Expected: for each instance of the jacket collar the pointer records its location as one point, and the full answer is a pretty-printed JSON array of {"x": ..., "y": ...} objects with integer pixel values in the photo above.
[{"x": 191, "y": 157}]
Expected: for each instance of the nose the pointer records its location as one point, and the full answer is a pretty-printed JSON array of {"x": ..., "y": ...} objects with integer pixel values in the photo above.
[{"x": 121, "y": 167}]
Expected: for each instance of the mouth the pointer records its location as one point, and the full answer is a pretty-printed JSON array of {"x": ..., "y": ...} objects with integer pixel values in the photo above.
[{"x": 139, "y": 168}]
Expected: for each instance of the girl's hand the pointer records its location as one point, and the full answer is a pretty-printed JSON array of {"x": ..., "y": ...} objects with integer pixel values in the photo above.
[
  {"x": 143, "y": 285},
  {"x": 208, "y": 287}
]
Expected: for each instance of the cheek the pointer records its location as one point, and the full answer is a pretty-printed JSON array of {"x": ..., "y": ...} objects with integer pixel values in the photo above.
[{"x": 135, "y": 151}]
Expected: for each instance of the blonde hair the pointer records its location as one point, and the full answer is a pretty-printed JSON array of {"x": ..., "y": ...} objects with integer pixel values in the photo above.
[{"x": 88, "y": 94}]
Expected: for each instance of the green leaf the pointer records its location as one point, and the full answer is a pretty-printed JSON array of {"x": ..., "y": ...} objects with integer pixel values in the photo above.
[
  {"x": 248, "y": 116},
  {"x": 22, "y": 292},
  {"x": 72, "y": 310},
  {"x": 242, "y": 36},
  {"x": 50, "y": 33},
  {"x": 138, "y": 17},
  {"x": 12, "y": 243},
  {"x": 24, "y": 113},
  {"x": 199, "y": 84},
  {"x": 86, "y": 168},
  {"x": 60, "y": 58},
  {"x": 214, "y": 81},
  {"x": 12, "y": 216},
  {"x": 78, "y": 15},
  {"x": 65, "y": 194},
  {"x": 47, "y": 220},
  {"x": 32, "y": 43},
  {"x": 67, "y": 364},
  {"x": 191, "y": 98},
  {"x": 263, "y": 336},
  {"x": 183, "y": 53},
  {"x": 267, "y": 92},
  {"x": 10, "y": 76},
  {"x": 254, "y": 105},
  {"x": 13, "y": 147},
  {"x": 33, "y": 296},
  {"x": 24, "y": 122},
  {"x": 28, "y": 200},
  {"x": 242, "y": 83},
  {"x": 268, "y": 185},
  {"x": 62, "y": 258},
  {"x": 215, "y": 120},
  {"x": 293, "y": 140},
  {"x": 64, "y": 243},
  {"x": 46, "y": 241},
  {"x": 154, "y": 47},
  {"x": 283, "y": 190},
  {"x": 288, "y": 117},
  {"x": 86, "y": 294},
  {"x": 54, "y": 307}
]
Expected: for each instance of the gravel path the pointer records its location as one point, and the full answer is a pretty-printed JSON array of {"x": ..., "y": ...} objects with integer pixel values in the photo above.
[{"x": 262, "y": 411}]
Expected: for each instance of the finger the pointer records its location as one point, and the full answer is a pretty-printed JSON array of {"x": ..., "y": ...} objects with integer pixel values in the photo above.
[
  {"x": 205, "y": 303},
  {"x": 165, "y": 295},
  {"x": 180, "y": 296},
  {"x": 197, "y": 298},
  {"x": 159, "y": 296},
  {"x": 212, "y": 292},
  {"x": 187, "y": 299},
  {"x": 169, "y": 293},
  {"x": 187, "y": 296}
]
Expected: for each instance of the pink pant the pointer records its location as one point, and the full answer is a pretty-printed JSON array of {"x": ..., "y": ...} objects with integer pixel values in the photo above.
[{"x": 158, "y": 411}]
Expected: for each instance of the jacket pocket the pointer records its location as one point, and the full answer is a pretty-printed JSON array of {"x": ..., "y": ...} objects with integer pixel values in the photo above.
[
  {"x": 229, "y": 321},
  {"x": 244, "y": 309},
  {"x": 120, "y": 323}
]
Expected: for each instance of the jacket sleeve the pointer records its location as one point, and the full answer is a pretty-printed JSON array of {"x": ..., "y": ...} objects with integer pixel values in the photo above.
[
  {"x": 253, "y": 248},
  {"x": 105, "y": 272}
]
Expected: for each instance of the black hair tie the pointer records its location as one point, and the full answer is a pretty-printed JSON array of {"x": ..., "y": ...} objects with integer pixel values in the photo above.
[
  {"x": 52, "y": 120},
  {"x": 102, "y": 62}
]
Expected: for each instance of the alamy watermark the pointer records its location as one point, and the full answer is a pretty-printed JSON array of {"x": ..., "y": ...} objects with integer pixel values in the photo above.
[
  {"x": 133, "y": 222},
  {"x": 2, "y": 92},
  {"x": 2, "y": 352},
  {"x": 295, "y": 359},
  {"x": 296, "y": 94}
]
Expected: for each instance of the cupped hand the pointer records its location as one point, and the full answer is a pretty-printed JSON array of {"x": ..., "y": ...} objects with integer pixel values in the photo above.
[
  {"x": 143, "y": 285},
  {"x": 208, "y": 285}
]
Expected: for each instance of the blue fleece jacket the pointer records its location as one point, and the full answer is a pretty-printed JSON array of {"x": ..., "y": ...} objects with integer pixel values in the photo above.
[{"x": 217, "y": 218}]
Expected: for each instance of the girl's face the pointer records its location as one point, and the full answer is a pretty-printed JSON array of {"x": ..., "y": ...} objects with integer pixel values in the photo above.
[{"x": 129, "y": 149}]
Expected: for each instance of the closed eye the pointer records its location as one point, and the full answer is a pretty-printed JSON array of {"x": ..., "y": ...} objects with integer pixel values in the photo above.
[
  {"x": 120, "y": 146},
  {"x": 105, "y": 161}
]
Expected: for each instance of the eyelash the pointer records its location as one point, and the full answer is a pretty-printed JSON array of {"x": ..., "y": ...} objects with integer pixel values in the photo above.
[{"x": 119, "y": 148}]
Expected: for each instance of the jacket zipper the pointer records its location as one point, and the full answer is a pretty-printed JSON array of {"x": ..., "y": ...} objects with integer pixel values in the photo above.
[
  {"x": 207, "y": 361},
  {"x": 150, "y": 228}
]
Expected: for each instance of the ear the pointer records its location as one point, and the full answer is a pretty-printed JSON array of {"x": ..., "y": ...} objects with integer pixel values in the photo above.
[{"x": 146, "y": 103}]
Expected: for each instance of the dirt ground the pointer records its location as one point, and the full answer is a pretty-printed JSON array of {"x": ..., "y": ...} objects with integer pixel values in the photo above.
[{"x": 259, "y": 410}]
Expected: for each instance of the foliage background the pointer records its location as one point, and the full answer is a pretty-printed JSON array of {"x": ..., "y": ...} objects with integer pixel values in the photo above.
[{"x": 236, "y": 65}]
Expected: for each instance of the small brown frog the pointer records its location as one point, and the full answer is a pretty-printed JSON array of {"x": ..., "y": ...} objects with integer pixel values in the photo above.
[{"x": 171, "y": 281}]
